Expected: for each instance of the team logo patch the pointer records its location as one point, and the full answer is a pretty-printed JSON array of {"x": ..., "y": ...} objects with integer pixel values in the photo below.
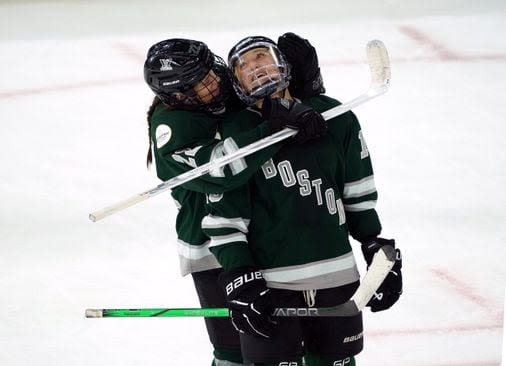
[{"x": 163, "y": 134}]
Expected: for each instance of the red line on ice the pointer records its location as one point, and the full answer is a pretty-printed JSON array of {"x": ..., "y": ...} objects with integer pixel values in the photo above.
[
  {"x": 130, "y": 52},
  {"x": 65, "y": 87},
  {"x": 461, "y": 288},
  {"x": 134, "y": 55},
  {"x": 405, "y": 60},
  {"x": 422, "y": 39}
]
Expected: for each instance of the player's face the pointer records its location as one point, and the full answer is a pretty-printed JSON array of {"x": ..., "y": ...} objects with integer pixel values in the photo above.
[
  {"x": 255, "y": 68},
  {"x": 208, "y": 88}
]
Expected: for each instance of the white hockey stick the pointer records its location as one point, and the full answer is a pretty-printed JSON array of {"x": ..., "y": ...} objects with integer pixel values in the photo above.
[{"x": 379, "y": 64}]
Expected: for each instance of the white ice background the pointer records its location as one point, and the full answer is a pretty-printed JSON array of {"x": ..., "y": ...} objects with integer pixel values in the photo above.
[{"x": 73, "y": 139}]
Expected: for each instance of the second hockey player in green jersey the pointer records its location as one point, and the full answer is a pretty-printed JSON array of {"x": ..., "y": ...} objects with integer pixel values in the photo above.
[{"x": 283, "y": 238}]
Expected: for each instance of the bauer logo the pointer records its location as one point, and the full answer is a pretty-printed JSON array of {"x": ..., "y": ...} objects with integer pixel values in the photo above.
[
  {"x": 241, "y": 280},
  {"x": 167, "y": 83},
  {"x": 353, "y": 338},
  {"x": 163, "y": 134}
]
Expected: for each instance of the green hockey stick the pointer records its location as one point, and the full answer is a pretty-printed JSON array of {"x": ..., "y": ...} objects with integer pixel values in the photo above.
[{"x": 382, "y": 263}]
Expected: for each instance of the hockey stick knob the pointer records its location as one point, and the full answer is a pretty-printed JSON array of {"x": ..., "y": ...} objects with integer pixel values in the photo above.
[{"x": 94, "y": 313}]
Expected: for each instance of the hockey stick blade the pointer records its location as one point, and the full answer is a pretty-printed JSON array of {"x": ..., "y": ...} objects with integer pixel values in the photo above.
[
  {"x": 382, "y": 263},
  {"x": 379, "y": 64}
]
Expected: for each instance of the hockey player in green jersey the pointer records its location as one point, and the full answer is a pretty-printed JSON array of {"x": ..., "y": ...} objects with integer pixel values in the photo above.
[
  {"x": 297, "y": 212},
  {"x": 193, "y": 93}
]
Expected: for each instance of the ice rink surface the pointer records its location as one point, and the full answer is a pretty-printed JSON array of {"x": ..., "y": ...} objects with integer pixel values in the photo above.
[{"x": 73, "y": 139}]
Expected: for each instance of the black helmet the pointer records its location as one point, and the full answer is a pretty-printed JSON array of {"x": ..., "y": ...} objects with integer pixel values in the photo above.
[
  {"x": 175, "y": 66},
  {"x": 265, "y": 82}
]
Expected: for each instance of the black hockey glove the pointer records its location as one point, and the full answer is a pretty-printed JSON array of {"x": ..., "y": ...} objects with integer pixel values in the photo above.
[
  {"x": 306, "y": 78},
  {"x": 282, "y": 113},
  {"x": 391, "y": 288},
  {"x": 249, "y": 301}
]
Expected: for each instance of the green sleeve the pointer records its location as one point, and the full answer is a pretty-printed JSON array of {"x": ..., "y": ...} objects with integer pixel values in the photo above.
[
  {"x": 360, "y": 195},
  {"x": 359, "y": 191},
  {"x": 227, "y": 227},
  {"x": 184, "y": 140}
]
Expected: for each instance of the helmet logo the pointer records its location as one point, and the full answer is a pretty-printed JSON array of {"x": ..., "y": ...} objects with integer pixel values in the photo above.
[{"x": 167, "y": 64}]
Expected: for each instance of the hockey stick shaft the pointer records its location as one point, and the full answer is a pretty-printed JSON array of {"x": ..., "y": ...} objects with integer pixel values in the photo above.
[
  {"x": 382, "y": 263},
  {"x": 379, "y": 64}
]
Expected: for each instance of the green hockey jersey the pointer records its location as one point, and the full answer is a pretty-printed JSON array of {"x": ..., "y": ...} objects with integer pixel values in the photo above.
[
  {"x": 294, "y": 217},
  {"x": 184, "y": 140}
]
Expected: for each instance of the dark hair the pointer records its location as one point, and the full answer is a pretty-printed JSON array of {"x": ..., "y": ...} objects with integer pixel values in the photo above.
[{"x": 151, "y": 110}]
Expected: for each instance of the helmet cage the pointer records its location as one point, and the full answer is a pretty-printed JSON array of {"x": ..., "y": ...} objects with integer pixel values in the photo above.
[{"x": 264, "y": 80}]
